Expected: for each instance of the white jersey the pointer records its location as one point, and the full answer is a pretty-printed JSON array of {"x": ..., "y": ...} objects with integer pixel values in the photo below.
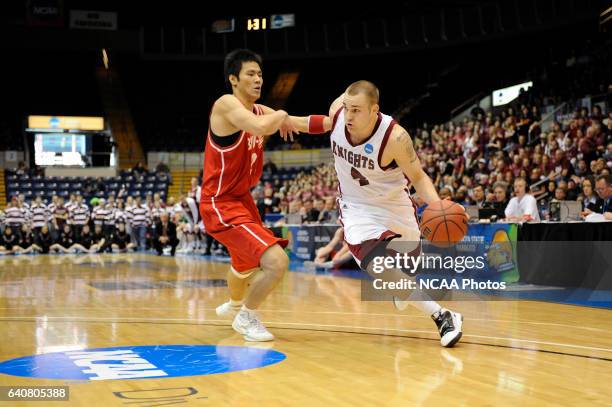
[
  {"x": 363, "y": 180},
  {"x": 374, "y": 200}
]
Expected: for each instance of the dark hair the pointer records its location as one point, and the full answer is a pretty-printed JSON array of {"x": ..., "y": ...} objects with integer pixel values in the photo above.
[
  {"x": 607, "y": 178},
  {"x": 234, "y": 60}
]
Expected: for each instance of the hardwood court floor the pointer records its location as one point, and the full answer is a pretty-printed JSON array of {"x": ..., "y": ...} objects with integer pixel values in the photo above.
[{"x": 340, "y": 351}]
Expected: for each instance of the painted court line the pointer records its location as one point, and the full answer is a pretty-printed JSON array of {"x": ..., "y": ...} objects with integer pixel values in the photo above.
[{"x": 217, "y": 322}]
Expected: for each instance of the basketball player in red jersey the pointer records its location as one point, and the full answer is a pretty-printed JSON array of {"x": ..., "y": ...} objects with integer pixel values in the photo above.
[
  {"x": 374, "y": 157},
  {"x": 233, "y": 164}
]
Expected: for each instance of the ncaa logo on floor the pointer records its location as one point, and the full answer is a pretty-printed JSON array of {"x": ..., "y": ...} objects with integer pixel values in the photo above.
[{"x": 141, "y": 362}]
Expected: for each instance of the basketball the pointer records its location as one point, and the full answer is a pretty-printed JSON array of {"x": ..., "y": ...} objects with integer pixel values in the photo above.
[{"x": 444, "y": 223}]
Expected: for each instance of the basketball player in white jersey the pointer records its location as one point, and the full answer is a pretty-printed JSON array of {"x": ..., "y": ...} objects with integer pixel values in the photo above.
[{"x": 374, "y": 156}]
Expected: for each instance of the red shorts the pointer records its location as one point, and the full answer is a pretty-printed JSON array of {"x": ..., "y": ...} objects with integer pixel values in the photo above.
[{"x": 237, "y": 225}]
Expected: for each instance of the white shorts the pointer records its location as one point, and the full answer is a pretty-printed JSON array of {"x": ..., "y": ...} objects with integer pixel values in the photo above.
[{"x": 366, "y": 225}]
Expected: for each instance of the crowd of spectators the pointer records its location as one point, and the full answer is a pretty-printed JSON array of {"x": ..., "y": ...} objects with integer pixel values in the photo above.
[{"x": 116, "y": 222}]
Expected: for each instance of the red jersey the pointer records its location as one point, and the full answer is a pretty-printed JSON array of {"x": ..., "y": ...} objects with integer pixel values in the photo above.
[{"x": 230, "y": 172}]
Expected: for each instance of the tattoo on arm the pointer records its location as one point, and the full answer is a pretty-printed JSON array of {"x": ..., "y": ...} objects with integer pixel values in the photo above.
[{"x": 404, "y": 138}]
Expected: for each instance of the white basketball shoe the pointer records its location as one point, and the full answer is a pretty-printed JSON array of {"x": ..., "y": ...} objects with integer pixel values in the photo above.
[{"x": 248, "y": 324}]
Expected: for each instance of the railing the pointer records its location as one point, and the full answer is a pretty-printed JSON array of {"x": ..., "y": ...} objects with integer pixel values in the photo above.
[{"x": 466, "y": 105}]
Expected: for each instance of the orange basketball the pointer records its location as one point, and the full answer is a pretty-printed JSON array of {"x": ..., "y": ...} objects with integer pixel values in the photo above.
[{"x": 444, "y": 223}]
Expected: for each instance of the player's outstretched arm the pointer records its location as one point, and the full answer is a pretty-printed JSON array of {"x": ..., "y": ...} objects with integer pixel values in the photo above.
[
  {"x": 313, "y": 124},
  {"x": 402, "y": 151},
  {"x": 230, "y": 108}
]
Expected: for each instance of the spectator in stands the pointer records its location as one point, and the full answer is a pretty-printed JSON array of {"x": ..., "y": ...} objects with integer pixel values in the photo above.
[
  {"x": 523, "y": 206},
  {"x": 99, "y": 241},
  {"x": 121, "y": 239},
  {"x": 572, "y": 192},
  {"x": 157, "y": 199},
  {"x": 65, "y": 240},
  {"x": 8, "y": 241},
  {"x": 139, "y": 169},
  {"x": 123, "y": 192},
  {"x": 478, "y": 196},
  {"x": 268, "y": 203},
  {"x": 21, "y": 168},
  {"x": 27, "y": 241},
  {"x": 603, "y": 186},
  {"x": 445, "y": 193},
  {"x": 165, "y": 235},
  {"x": 140, "y": 220},
  {"x": 328, "y": 214},
  {"x": 79, "y": 216},
  {"x": 84, "y": 241},
  {"x": 23, "y": 204},
  {"x": 120, "y": 214},
  {"x": 162, "y": 168},
  {"x": 44, "y": 240},
  {"x": 110, "y": 218},
  {"x": 14, "y": 216},
  {"x": 590, "y": 200},
  {"x": 560, "y": 192},
  {"x": 500, "y": 192},
  {"x": 69, "y": 205},
  {"x": 309, "y": 213},
  {"x": 194, "y": 190},
  {"x": 40, "y": 215},
  {"x": 269, "y": 167}
]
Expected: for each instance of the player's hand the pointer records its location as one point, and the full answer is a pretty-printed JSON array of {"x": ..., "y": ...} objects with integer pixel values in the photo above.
[{"x": 287, "y": 129}]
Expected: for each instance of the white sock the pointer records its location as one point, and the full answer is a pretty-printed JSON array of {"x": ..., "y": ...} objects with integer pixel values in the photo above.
[
  {"x": 427, "y": 307},
  {"x": 245, "y": 309},
  {"x": 235, "y": 304},
  {"x": 423, "y": 302}
]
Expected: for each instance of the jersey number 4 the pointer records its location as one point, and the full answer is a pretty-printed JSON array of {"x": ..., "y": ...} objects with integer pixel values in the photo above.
[{"x": 363, "y": 181}]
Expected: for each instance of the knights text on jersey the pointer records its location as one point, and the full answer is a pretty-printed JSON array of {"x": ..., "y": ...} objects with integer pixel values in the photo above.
[
  {"x": 231, "y": 172},
  {"x": 361, "y": 176}
]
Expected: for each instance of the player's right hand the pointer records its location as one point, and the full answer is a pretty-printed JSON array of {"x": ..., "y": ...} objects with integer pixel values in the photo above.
[{"x": 287, "y": 129}]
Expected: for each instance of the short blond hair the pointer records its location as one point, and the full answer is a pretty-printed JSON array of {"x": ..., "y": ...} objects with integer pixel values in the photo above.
[{"x": 365, "y": 87}]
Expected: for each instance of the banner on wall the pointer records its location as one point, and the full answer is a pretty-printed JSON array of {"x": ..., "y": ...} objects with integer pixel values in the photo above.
[
  {"x": 497, "y": 243},
  {"x": 304, "y": 240}
]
